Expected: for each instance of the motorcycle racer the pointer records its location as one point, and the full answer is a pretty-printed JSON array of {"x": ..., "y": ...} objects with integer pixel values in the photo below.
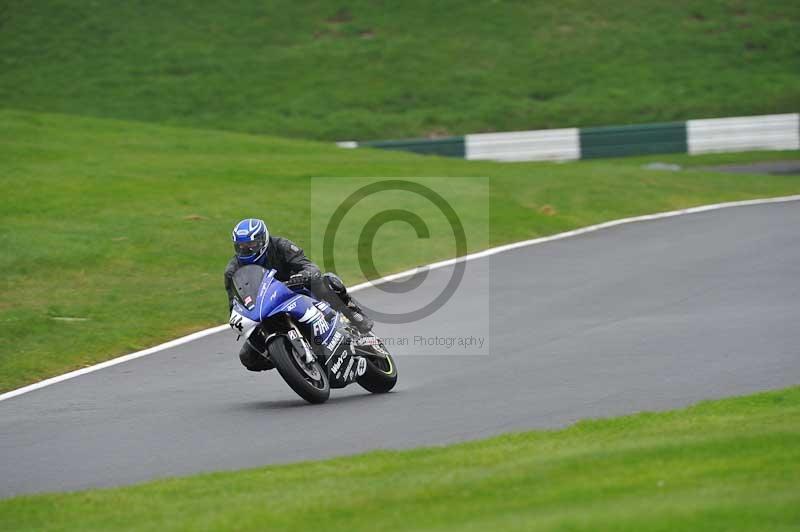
[{"x": 253, "y": 244}]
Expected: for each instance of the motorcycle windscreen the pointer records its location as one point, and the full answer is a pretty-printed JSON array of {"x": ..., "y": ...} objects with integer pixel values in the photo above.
[{"x": 246, "y": 283}]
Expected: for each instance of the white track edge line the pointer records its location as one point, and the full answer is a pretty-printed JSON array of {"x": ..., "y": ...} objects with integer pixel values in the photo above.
[
  {"x": 113, "y": 362},
  {"x": 441, "y": 264},
  {"x": 574, "y": 232}
]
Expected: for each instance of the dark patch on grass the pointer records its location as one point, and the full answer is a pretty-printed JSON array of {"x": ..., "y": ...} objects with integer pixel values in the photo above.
[
  {"x": 547, "y": 210},
  {"x": 342, "y": 16}
]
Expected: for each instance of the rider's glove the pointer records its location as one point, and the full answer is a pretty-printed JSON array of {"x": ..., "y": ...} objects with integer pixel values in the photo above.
[{"x": 299, "y": 279}]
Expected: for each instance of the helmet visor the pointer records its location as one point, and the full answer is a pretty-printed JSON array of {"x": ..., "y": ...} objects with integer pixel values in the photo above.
[{"x": 246, "y": 249}]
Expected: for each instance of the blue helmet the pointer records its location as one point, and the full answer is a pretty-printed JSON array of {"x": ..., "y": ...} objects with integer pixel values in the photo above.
[{"x": 250, "y": 240}]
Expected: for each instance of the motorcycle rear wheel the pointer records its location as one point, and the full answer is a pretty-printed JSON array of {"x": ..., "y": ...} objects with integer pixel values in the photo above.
[
  {"x": 381, "y": 373},
  {"x": 309, "y": 381}
]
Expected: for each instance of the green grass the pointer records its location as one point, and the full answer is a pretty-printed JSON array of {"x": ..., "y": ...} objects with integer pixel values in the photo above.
[
  {"x": 126, "y": 225},
  {"x": 726, "y": 465},
  {"x": 361, "y": 69}
]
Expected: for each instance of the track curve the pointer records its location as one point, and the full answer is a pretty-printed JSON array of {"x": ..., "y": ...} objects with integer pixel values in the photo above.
[{"x": 652, "y": 315}]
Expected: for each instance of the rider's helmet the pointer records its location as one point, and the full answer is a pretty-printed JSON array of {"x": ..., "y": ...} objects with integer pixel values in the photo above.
[{"x": 250, "y": 240}]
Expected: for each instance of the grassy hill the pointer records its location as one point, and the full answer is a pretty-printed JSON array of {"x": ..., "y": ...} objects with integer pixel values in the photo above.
[
  {"x": 115, "y": 234},
  {"x": 363, "y": 69}
]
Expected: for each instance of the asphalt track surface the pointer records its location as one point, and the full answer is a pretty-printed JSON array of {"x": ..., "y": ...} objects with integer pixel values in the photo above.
[
  {"x": 786, "y": 167},
  {"x": 645, "y": 316}
]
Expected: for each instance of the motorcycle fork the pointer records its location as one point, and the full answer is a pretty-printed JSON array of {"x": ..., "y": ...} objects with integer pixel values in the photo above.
[{"x": 298, "y": 337}]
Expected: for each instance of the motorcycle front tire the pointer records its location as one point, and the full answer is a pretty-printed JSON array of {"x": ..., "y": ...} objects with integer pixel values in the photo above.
[{"x": 309, "y": 381}]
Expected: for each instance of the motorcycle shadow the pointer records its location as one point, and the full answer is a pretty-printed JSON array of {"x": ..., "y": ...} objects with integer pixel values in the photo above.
[{"x": 289, "y": 403}]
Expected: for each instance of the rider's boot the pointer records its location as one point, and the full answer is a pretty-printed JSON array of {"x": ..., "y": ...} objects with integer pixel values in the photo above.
[
  {"x": 348, "y": 306},
  {"x": 357, "y": 317}
]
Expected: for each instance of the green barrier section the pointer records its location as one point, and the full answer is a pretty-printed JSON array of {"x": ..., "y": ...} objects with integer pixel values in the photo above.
[
  {"x": 448, "y": 147},
  {"x": 615, "y": 141}
]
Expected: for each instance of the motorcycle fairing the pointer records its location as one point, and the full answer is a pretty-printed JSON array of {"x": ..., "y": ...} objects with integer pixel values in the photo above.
[{"x": 323, "y": 324}]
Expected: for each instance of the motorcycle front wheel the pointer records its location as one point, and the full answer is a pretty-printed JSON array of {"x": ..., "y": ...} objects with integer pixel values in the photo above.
[{"x": 309, "y": 381}]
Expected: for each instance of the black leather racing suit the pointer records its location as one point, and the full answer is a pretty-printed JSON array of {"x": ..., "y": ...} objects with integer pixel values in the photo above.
[{"x": 288, "y": 259}]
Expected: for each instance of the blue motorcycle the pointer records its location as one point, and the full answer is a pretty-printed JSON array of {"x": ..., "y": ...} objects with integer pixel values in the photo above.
[{"x": 313, "y": 346}]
